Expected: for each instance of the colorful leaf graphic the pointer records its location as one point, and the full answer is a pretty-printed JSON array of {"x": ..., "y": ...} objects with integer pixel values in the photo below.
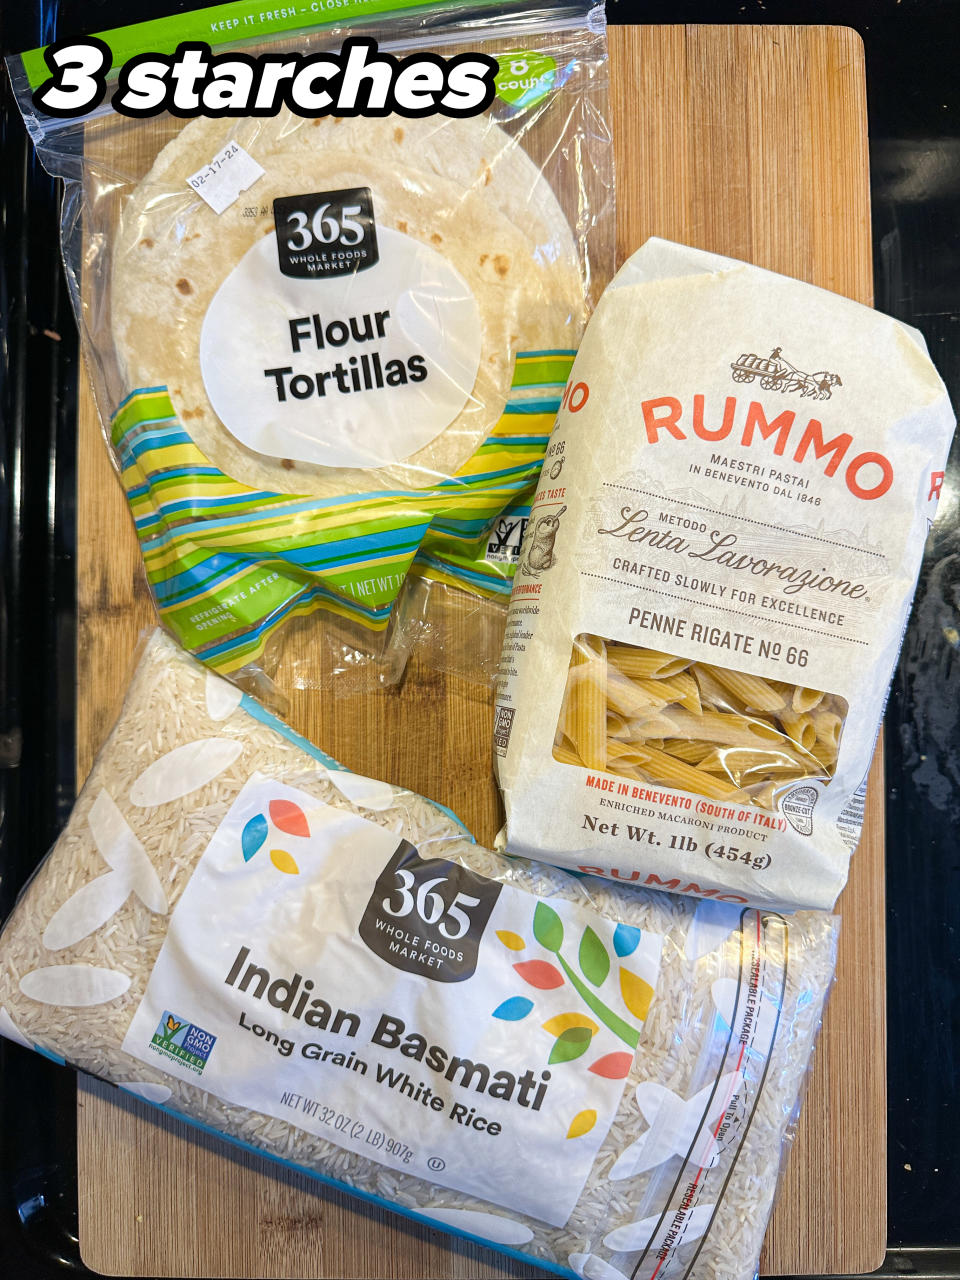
[
  {"x": 626, "y": 939},
  {"x": 570, "y": 1044},
  {"x": 614, "y": 1066},
  {"x": 637, "y": 993},
  {"x": 629, "y": 1035},
  {"x": 594, "y": 961},
  {"x": 540, "y": 974},
  {"x": 548, "y": 931},
  {"x": 514, "y": 1009},
  {"x": 556, "y": 1026},
  {"x": 547, "y": 927},
  {"x": 284, "y": 862},
  {"x": 254, "y": 834},
  {"x": 512, "y": 941},
  {"x": 289, "y": 817},
  {"x": 582, "y": 1123}
]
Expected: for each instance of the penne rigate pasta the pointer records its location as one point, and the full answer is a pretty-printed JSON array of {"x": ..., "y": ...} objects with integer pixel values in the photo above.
[
  {"x": 827, "y": 725},
  {"x": 617, "y": 727},
  {"x": 588, "y": 722},
  {"x": 765, "y": 796},
  {"x": 643, "y": 664},
  {"x": 687, "y": 749},
  {"x": 806, "y": 699},
  {"x": 743, "y": 766},
  {"x": 665, "y": 768},
  {"x": 780, "y": 593},
  {"x": 731, "y": 729},
  {"x": 799, "y": 728},
  {"x": 653, "y": 724},
  {"x": 623, "y": 751},
  {"x": 711, "y": 691},
  {"x": 695, "y": 726},
  {"x": 680, "y": 688},
  {"x": 630, "y": 699},
  {"x": 752, "y": 692},
  {"x": 565, "y": 752}
]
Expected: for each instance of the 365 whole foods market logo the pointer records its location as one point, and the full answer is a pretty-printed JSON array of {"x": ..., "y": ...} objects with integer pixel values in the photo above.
[
  {"x": 323, "y": 234},
  {"x": 286, "y": 818},
  {"x": 182, "y": 1041},
  {"x": 427, "y": 916},
  {"x": 585, "y": 998}
]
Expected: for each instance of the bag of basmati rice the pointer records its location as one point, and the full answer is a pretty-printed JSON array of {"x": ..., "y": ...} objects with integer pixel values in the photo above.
[{"x": 325, "y": 969}]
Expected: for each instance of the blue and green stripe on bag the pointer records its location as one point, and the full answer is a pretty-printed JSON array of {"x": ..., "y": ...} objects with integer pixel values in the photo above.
[{"x": 228, "y": 564}]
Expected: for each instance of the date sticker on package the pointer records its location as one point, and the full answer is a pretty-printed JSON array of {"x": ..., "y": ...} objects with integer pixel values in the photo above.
[{"x": 220, "y": 182}]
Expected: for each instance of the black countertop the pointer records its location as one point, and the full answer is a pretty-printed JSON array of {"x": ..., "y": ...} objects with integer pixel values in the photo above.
[{"x": 913, "y": 93}]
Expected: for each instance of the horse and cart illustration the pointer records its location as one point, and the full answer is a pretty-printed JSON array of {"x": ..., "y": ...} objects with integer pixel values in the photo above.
[{"x": 777, "y": 374}]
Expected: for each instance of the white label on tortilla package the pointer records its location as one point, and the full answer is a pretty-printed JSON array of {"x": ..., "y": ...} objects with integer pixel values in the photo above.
[
  {"x": 337, "y": 342},
  {"x": 220, "y": 182},
  {"x": 318, "y": 970},
  {"x": 714, "y": 582}
]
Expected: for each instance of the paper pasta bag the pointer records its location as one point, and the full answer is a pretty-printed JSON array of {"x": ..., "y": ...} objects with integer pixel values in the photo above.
[{"x": 715, "y": 580}]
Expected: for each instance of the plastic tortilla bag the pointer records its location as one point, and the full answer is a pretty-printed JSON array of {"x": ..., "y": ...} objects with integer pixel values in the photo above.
[
  {"x": 327, "y": 970},
  {"x": 325, "y": 347}
]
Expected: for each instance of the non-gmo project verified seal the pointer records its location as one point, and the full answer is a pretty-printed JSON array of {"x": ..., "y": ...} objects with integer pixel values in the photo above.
[
  {"x": 502, "y": 728},
  {"x": 185, "y": 1043}
]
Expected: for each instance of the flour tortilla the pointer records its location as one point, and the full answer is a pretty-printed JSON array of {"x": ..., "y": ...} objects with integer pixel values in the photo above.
[
  {"x": 475, "y": 153},
  {"x": 173, "y": 253}
]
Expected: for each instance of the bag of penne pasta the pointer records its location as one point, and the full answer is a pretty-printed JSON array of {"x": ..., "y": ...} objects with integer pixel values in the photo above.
[{"x": 714, "y": 582}]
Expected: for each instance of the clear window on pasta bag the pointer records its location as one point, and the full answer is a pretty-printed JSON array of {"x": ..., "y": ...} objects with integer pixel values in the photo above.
[
  {"x": 720, "y": 733},
  {"x": 327, "y": 349}
]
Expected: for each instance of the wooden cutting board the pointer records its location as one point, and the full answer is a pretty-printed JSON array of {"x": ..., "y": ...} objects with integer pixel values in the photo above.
[{"x": 750, "y": 141}]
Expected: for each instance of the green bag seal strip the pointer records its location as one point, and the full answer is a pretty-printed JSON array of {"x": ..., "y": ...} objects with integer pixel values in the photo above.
[{"x": 225, "y": 24}]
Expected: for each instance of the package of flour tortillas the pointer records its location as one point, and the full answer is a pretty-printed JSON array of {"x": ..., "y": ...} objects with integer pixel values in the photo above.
[
  {"x": 328, "y": 335},
  {"x": 714, "y": 582}
]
